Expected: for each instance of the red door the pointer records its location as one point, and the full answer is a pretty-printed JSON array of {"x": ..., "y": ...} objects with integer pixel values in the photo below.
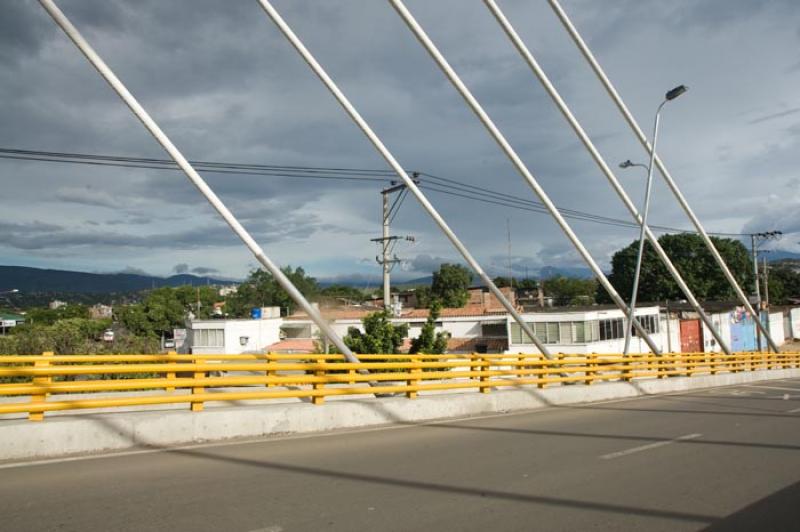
[{"x": 691, "y": 336}]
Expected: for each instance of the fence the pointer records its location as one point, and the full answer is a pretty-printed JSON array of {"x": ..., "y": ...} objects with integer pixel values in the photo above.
[{"x": 189, "y": 378}]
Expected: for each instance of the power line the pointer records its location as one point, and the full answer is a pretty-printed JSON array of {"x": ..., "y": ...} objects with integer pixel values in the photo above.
[
  {"x": 432, "y": 182},
  {"x": 507, "y": 200}
]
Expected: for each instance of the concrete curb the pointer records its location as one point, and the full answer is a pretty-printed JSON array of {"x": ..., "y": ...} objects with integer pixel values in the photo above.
[{"x": 94, "y": 433}]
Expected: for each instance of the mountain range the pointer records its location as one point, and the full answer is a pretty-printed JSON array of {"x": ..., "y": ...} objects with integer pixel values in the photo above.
[
  {"x": 38, "y": 280},
  {"x": 27, "y": 279}
]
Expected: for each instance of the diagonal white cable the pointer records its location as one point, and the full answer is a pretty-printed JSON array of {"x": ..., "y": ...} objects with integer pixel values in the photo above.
[
  {"x": 476, "y": 107},
  {"x": 673, "y": 186},
  {"x": 87, "y": 50},
  {"x": 390, "y": 159},
  {"x": 527, "y": 55}
]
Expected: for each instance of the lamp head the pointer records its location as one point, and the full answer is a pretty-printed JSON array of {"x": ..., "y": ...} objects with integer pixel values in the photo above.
[
  {"x": 677, "y": 91},
  {"x": 626, "y": 164}
]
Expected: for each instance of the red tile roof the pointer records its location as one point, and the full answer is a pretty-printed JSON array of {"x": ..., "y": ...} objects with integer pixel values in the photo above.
[
  {"x": 416, "y": 313},
  {"x": 293, "y": 345}
]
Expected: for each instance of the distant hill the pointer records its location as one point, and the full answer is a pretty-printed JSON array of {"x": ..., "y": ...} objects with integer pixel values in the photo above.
[
  {"x": 40, "y": 280},
  {"x": 548, "y": 272},
  {"x": 779, "y": 256}
]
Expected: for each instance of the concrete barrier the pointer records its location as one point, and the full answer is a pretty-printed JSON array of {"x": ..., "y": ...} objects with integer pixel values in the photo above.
[{"x": 103, "y": 432}]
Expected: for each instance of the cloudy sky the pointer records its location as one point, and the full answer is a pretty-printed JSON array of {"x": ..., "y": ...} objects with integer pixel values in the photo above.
[{"x": 226, "y": 86}]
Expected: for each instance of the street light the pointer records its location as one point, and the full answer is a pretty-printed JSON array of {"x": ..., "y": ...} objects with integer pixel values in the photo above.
[{"x": 669, "y": 96}]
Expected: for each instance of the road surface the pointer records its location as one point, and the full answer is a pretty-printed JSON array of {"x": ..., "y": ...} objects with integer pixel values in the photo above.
[{"x": 722, "y": 459}]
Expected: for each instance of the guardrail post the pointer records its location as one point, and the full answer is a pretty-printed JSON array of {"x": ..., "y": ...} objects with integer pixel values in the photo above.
[
  {"x": 546, "y": 366},
  {"x": 269, "y": 373},
  {"x": 197, "y": 406},
  {"x": 41, "y": 381},
  {"x": 170, "y": 374},
  {"x": 412, "y": 394},
  {"x": 318, "y": 399},
  {"x": 486, "y": 365},
  {"x": 590, "y": 372}
]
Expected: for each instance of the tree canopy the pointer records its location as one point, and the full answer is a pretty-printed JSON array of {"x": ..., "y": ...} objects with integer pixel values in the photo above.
[
  {"x": 521, "y": 284},
  {"x": 429, "y": 341},
  {"x": 784, "y": 283},
  {"x": 165, "y": 309},
  {"x": 692, "y": 259},
  {"x": 570, "y": 290},
  {"x": 262, "y": 290},
  {"x": 450, "y": 285},
  {"x": 380, "y": 335}
]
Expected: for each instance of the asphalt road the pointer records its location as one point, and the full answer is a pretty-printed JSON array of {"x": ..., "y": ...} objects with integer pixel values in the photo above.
[{"x": 722, "y": 459}]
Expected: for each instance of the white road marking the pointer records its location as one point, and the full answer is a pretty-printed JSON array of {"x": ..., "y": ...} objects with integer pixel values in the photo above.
[
  {"x": 273, "y": 528},
  {"x": 782, "y": 388},
  {"x": 649, "y": 446},
  {"x": 793, "y": 411}
]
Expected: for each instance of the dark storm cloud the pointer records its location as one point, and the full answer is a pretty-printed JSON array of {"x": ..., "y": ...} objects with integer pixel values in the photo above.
[
  {"x": 226, "y": 86},
  {"x": 426, "y": 264},
  {"x": 39, "y": 236},
  {"x": 203, "y": 270}
]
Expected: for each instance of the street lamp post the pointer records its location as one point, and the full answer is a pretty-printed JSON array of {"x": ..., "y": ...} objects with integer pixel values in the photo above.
[{"x": 669, "y": 96}]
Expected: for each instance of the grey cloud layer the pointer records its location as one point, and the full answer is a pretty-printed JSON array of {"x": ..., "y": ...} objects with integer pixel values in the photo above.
[{"x": 225, "y": 85}]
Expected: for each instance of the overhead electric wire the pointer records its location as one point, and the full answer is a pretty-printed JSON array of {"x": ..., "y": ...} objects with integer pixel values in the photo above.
[
  {"x": 397, "y": 204},
  {"x": 432, "y": 182},
  {"x": 503, "y": 198}
]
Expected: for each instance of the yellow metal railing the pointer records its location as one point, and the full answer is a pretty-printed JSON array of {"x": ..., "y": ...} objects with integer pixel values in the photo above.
[{"x": 188, "y": 378}]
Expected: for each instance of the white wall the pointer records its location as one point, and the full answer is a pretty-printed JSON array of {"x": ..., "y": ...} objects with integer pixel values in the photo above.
[
  {"x": 794, "y": 318},
  {"x": 776, "y": 328},
  {"x": 457, "y": 327},
  {"x": 259, "y": 334},
  {"x": 601, "y": 347},
  {"x": 721, "y": 322}
]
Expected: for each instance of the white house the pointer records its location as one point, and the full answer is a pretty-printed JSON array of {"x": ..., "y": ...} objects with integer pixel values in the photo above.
[
  {"x": 591, "y": 330},
  {"x": 232, "y": 337}
]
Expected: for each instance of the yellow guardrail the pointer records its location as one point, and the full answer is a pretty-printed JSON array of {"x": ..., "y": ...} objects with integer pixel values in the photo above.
[{"x": 188, "y": 378}]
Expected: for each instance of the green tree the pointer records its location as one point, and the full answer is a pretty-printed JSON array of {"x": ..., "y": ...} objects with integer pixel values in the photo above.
[
  {"x": 48, "y": 316},
  {"x": 784, "y": 283},
  {"x": 380, "y": 335},
  {"x": 165, "y": 309},
  {"x": 429, "y": 341},
  {"x": 423, "y": 295},
  {"x": 526, "y": 284},
  {"x": 520, "y": 284},
  {"x": 450, "y": 285},
  {"x": 501, "y": 281},
  {"x": 341, "y": 291},
  {"x": 262, "y": 290},
  {"x": 570, "y": 290},
  {"x": 693, "y": 261}
]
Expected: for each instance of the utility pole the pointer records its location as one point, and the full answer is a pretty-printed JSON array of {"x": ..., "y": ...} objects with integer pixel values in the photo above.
[
  {"x": 386, "y": 259},
  {"x": 510, "y": 272},
  {"x": 755, "y": 240},
  {"x": 766, "y": 285}
]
